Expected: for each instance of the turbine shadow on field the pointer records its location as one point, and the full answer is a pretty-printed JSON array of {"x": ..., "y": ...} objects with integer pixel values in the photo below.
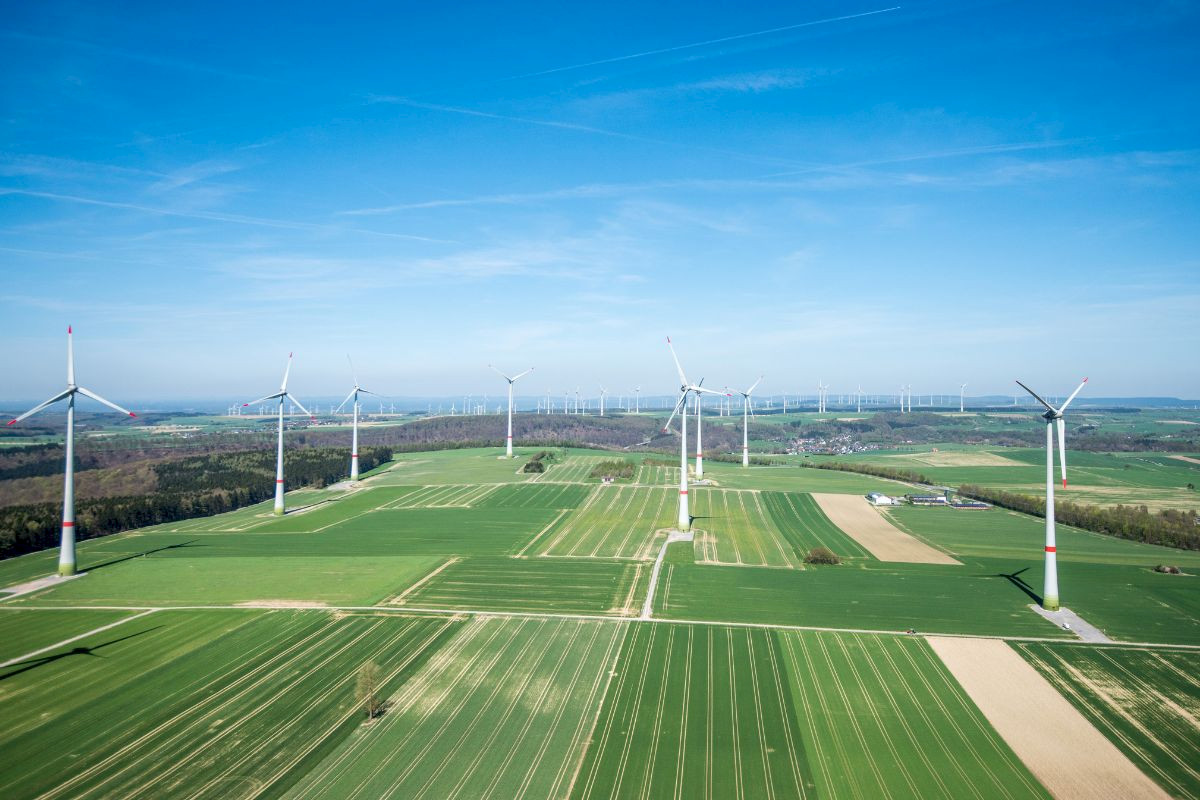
[
  {"x": 110, "y": 562},
  {"x": 1016, "y": 580},
  {"x": 34, "y": 663}
]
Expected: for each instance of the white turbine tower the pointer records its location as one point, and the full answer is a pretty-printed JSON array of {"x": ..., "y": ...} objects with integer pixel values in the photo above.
[
  {"x": 637, "y": 400},
  {"x": 685, "y": 518},
  {"x": 858, "y": 395},
  {"x": 961, "y": 390},
  {"x": 603, "y": 392},
  {"x": 66, "y": 550},
  {"x": 354, "y": 393},
  {"x": 508, "y": 453},
  {"x": 747, "y": 412},
  {"x": 281, "y": 395},
  {"x": 1054, "y": 418}
]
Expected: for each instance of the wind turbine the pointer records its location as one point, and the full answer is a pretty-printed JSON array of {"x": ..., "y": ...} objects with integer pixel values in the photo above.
[
  {"x": 281, "y": 395},
  {"x": 747, "y": 412},
  {"x": 66, "y": 549},
  {"x": 1054, "y": 418},
  {"x": 685, "y": 518},
  {"x": 961, "y": 389},
  {"x": 858, "y": 399},
  {"x": 637, "y": 400},
  {"x": 508, "y": 442},
  {"x": 354, "y": 393},
  {"x": 603, "y": 392}
]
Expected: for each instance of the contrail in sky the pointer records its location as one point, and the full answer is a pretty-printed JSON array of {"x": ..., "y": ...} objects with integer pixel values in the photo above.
[{"x": 702, "y": 44}]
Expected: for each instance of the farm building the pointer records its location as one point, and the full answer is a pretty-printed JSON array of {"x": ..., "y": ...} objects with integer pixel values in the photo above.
[
  {"x": 970, "y": 505},
  {"x": 926, "y": 499},
  {"x": 880, "y": 499}
]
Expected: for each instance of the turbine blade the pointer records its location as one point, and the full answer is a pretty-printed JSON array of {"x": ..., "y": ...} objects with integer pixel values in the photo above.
[
  {"x": 1072, "y": 397},
  {"x": 298, "y": 404},
  {"x": 501, "y": 374},
  {"x": 522, "y": 375},
  {"x": 283, "y": 386},
  {"x": 63, "y": 395},
  {"x": 1037, "y": 397},
  {"x": 753, "y": 386},
  {"x": 100, "y": 399},
  {"x": 1062, "y": 449},
  {"x": 683, "y": 381},
  {"x": 347, "y": 400},
  {"x": 709, "y": 391},
  {"x": 70, "y": 359},
  {"x": 264, "y": 399},
  {"x": 678, "y": 405},
  {"x": 353, "y": 371}
]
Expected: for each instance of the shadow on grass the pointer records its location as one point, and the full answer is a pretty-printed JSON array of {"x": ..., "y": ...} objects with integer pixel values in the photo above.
[
  {"x": 34, "y": 663},
  {"x": 1016, "y": 580},
  {"x": 110, "y": 562}
]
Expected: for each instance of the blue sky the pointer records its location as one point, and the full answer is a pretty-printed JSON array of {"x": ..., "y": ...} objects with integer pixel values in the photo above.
[{"x": 930, "y": 194}]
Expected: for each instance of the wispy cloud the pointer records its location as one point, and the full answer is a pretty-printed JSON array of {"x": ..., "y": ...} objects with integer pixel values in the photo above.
[
  {"x": 212, "y": 216},
  {"x": 576, "y": 127},
  {"x": 144, "y": 58},
  {"x": 705, "y": 43}
]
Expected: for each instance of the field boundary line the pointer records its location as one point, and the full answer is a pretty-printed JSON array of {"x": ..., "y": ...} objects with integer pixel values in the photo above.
[
  {"x": 1065, "y": 751},
  {"x": 396, "y": 599},
  {"x": 84, "y": 635},
  {"x": 483, "y": 612}
]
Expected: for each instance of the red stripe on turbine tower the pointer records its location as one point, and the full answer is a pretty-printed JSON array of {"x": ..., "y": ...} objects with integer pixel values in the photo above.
[
  {"x": 683, "y": 491},
  {"x": 279, "y": 480},
  {"x": 1051, "y": 549},
  {"x": 68, "y": 524}
]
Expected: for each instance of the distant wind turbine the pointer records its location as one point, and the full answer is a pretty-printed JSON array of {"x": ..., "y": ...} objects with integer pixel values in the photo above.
[
  {"x": 281, "y": 395},
  {"x": 508, "y": 453},
  {"x": 747, "y": 412},
  {"x": 1054, "y": 418},
  {"x": 354, "y": 393},
  {"x": 961, "y": 390},
  {"x": 66, "y": 549},
  {"x": 603, "y": 392}
]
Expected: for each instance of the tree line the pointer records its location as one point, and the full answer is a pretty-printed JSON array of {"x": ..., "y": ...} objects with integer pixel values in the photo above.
[{"x": 1169, "y": 527}]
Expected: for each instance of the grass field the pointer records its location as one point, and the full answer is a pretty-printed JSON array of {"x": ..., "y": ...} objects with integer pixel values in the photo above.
[
  {"x": 614, "y": 522},
  {"x": 697, "y": 713},
  {"x": 1147, "y": 702},
  {"x": 889, "y": 721},
  {"x": 802, "y": 523},
  {"x": 499, "y": 712},
  {"x": 736, "y": 528},
  {"x": 535, "y": 585},
  {"x": 244, "y": 711},
  {"x": 930, "y": 598},
  {"x": 25, "y": 630}
]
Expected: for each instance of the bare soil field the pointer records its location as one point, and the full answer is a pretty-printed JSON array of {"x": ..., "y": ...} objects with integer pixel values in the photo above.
[
  {"x": 960, "y": 458},
  {"x": 1067, "y": 754},
  {"x": 867, "y": 526},
  {"x": 1188, "y": 459}
]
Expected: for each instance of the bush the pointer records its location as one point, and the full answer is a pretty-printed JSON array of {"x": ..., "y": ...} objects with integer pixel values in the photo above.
[
  {"x": 1166, "y": 569},
  {"x": 618, "y": 468},
  {"x": 821, "y": 555}
]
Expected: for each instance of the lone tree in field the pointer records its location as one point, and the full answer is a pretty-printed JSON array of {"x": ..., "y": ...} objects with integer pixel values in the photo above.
[
  {"x": 821, "y": 555},
  {"x": 367, "y": 689}
]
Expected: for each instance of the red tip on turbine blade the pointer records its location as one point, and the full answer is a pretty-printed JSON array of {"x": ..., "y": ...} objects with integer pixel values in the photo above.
[
  {"x": 245, "y": 404},
  {"x": 1085, "y": 380},
  {"x": 132, "y": 414},
  {"x": 12, "y": 422},
  {"x": 68, "y": 329}
]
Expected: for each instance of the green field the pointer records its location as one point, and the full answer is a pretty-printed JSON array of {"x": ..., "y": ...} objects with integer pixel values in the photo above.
[
  {"x": 614, "y": 522},
  {"x": 1147, "y": 702},
  {"x": 217, "y": 657},
  {"x": 501, "y": 711},
  {"x": 534, "y": 585}
]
